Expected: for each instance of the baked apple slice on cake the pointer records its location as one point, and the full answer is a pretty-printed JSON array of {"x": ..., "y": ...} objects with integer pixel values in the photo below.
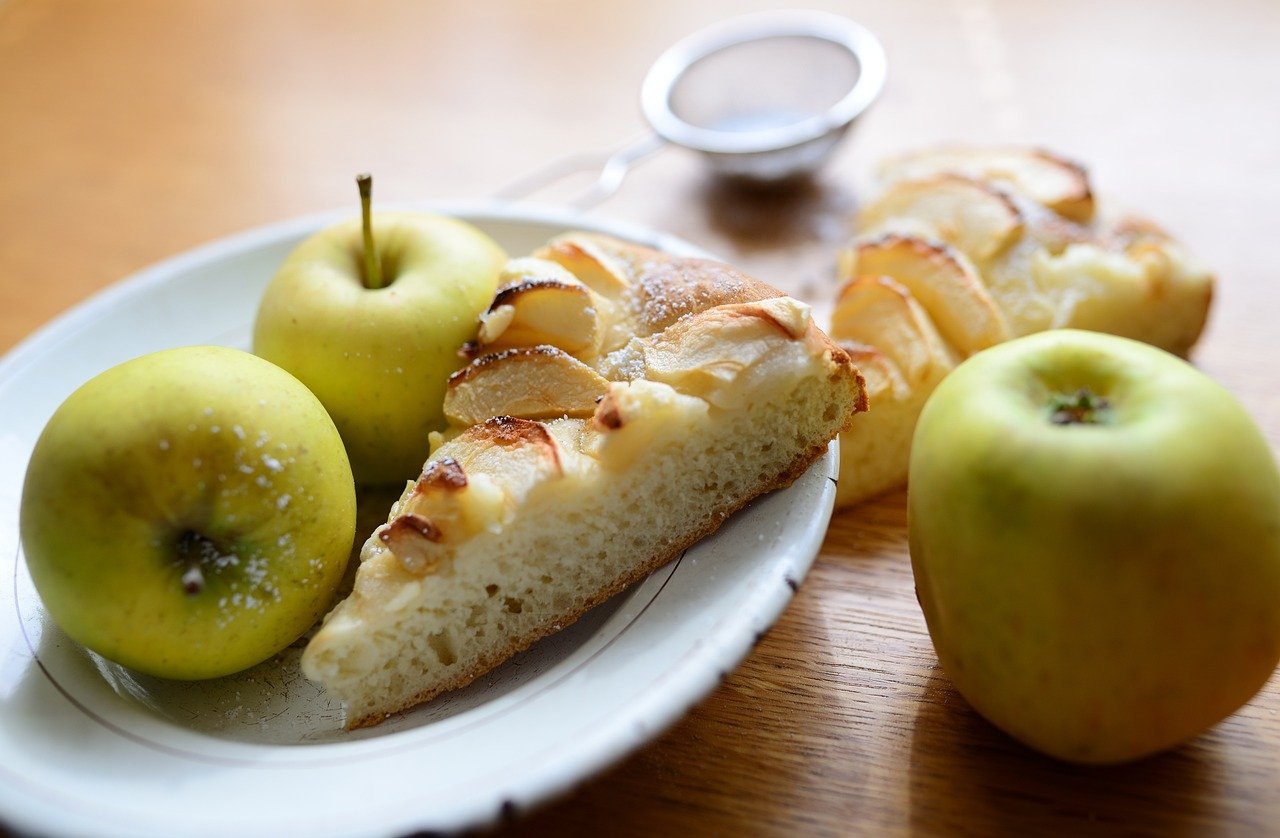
[{"x": 631, "y": 402}]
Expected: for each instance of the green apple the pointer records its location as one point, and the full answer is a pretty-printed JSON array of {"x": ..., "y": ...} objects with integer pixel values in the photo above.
[
  {"x": 1095, "y": 535},
  {"x": 188, "y": 513},
  {"x": 370, "y": 314}
]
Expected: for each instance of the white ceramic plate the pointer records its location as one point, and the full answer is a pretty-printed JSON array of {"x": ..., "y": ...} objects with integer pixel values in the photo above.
[{"x": 87, "y": 747}]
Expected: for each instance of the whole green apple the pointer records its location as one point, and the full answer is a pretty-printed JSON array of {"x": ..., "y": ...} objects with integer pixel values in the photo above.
[
  {"x": 370, "y": 316},
  {"x": 188, "y": 513},
  {"x": 1095, "y": 535}
]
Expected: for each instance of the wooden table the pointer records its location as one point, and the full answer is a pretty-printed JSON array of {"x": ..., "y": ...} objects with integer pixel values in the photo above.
[{"x": 135, "y": 129}]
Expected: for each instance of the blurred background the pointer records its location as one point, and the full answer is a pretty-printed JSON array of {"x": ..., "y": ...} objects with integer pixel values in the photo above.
[
  {"x": 135, "y": 129},
  {"x": 132, "y": 130}
]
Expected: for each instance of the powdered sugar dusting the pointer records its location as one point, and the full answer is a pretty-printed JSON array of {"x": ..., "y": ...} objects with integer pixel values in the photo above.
[
  {"x": 247, "y": 583},
  {"x": 240, "y": 575},
  {"x": 665, "y": 292}
]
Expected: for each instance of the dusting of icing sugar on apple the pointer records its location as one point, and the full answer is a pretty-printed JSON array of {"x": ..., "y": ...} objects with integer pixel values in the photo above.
[{"x": 202, "y": 529}]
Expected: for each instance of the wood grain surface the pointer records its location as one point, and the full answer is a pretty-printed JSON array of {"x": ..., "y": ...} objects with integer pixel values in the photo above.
[{"x": 132, "y": 130}]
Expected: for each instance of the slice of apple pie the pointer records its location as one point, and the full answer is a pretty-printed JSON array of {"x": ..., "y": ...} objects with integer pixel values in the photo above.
[{"x": 621, "y": 404}]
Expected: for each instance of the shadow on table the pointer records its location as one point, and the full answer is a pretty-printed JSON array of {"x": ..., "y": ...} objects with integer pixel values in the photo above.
[
  {"x": 967, "y": 776},
  {"x": 767, "y": 217}
]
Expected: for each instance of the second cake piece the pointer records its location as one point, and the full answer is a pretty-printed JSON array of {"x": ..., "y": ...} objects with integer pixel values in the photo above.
[{"x": 965, "y": 247}]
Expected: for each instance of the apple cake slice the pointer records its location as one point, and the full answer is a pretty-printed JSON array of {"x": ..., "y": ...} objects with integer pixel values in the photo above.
[{"x": 621, "y": 404}]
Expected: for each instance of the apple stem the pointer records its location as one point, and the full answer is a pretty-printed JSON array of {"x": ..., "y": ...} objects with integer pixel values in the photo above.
[
  {"x": 1083, "y": 407},
  {"x": 372, "y": 265}
]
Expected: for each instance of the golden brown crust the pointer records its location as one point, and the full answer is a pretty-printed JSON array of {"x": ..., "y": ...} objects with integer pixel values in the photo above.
[
  {"x": 844, "y": 364},
  {"x": 668, "y": 289},
  {"x": 508, "y": 432},
  {"x": 672, "y": 287}
]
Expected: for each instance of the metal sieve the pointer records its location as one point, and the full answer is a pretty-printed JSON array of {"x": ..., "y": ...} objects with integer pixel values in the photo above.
[{"x": 764, "y": 97}]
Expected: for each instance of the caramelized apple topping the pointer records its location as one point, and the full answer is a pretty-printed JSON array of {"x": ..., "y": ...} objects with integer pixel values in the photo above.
[
  {"x": 539, "y": 382},
  {"x": 444, "y": 473},
  {"x": 975, "y": 217},
  {"x": 413, "y": 539},
  {"x": 589, "y": 262},
  {"x": 1047, "y": 178},
  {"x": 942, "y": 279},
  {"x": 539, "y": 302}
]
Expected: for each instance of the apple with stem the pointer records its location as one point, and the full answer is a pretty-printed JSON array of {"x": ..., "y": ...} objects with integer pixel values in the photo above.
[
  {"x": 370, "y": 314},
  {"x": 1094, "y": 529},
  {"x": 188, "y": 513}
]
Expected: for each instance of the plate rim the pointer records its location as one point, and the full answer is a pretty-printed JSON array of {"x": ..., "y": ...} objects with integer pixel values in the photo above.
[{"x": 689, "y": 679}]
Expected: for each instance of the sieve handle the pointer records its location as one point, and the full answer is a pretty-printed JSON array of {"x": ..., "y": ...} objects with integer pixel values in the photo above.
[{"x": 612, "y": 166}]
